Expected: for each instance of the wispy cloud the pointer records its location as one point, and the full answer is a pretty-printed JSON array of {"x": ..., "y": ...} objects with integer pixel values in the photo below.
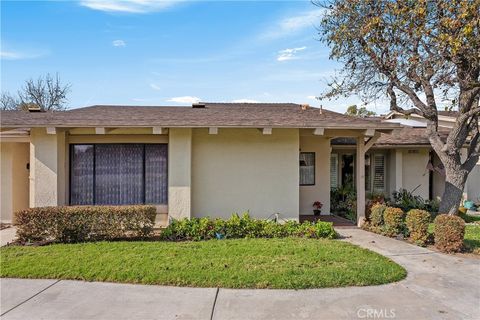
[
  {"x": 312, "y": 97},
  {"x": 291, "y": 25},
  {"x": 289, "y": 54},
  {"x": 244, "y": 101},
  {"x": 119, "y": 43},
  {"x": 155, "y": 86},
  {"x": 21, "y": 55},
  {"x": 184, "y": 100},
  {"x": 129, "y": 6}
]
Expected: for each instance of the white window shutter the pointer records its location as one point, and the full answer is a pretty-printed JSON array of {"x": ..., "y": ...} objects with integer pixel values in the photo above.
[
  {"x": 333, "y": 171},
  {"x": 379, "y": 173}
]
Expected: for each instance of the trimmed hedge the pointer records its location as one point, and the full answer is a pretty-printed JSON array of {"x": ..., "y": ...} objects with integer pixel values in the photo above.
[
  {"x": 449, "y": 233},
  {"x": 376, "y": 214},
  {"x": 196, "y": 229},
  {"x": 417, "y": 222},
  {"x": 393, "y": 218},
  {"x": 84, "y": 223}
]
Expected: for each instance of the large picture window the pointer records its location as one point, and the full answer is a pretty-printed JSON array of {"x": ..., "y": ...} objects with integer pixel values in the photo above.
[{"x": 118, "y": 174}]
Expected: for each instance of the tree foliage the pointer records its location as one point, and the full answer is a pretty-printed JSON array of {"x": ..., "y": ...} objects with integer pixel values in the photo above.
[
  {"x": 355, "y": 111},
  {"x": 47, "y": 92},
  {"x": 419, "y": 54}
]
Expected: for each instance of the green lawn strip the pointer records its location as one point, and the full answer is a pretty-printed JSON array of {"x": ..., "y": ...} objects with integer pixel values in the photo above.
[
  {"x": 471, "y": 239},
  {"x": 244, "y": 263}
]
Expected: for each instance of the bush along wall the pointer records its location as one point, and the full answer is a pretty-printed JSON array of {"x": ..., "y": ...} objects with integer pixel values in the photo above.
[
  {"x": 196, "y": 229},
  {"x": 84, "y": 223},
  {"x": 449, "y": 232},
  {"x": 417, "y": 223}
]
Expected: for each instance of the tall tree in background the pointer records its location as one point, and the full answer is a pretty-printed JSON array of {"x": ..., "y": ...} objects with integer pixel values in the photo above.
[
  {"x": 362, "y": 112},
  {"x": 417, "y": 53},
  {"x": 47, "y": 92}
]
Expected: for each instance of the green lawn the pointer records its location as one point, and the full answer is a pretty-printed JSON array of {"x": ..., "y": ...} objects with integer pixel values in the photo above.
[{"x": 243, "y": 263}]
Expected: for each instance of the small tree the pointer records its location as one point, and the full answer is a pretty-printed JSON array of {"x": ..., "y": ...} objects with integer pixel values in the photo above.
[
  {"x": 355, "y": 111},
  {"x": 416, "y": 53},
  {"x": 46, "y": 92},
  {"x": 8, "y": 102}
]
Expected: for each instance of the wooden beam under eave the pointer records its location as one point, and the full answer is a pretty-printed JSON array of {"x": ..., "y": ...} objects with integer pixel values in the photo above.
[
  {"x": 213, "y": 130},
  {"x": 319, "y": 131},
  {"x": 51, "y": 130},
  {"x": 267, "y": 130},
  {"x": 370, "y": 132},
  {"x": 370, "y": 142},
  {"x": 100, "y": 130},
  {"x": 159, "y": 130}
]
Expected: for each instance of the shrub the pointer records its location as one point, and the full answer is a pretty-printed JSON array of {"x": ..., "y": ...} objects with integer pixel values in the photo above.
[
  {"x": 196, "y": 229},
  {"x": 417, "y": 222},
  {"x": 376, "y": 214},
  {"x": 449, "y": 232},
  {"x": 84, "y": 223},
  {"x": 393, "y": 219}
]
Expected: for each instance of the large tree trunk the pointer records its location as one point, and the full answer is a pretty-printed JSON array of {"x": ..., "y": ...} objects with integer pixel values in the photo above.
[{"x": 455, "y": 179}]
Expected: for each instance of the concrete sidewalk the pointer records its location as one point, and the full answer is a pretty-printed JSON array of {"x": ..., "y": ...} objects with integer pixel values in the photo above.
[
  {"x": 437, "y": 287},
  {"x": 7, "y": 235}
]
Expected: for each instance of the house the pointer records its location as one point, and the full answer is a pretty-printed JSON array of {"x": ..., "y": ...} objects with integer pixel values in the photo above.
[
  {"x": 210, "y": 159},
  {"x": 446, "y": 120}
]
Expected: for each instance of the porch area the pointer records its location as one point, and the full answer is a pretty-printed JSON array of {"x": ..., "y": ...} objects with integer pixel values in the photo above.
[{"x": 336, "y": 220}]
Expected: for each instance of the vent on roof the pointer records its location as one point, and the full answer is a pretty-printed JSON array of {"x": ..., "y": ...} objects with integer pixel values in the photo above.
[
  {"x": 32, "y": 107},
  {"x": 198, "y": 105}
]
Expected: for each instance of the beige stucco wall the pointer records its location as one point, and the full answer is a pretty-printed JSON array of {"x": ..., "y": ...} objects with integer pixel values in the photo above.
[
  {"x": 180, "y": 173},
  {"x": 242, "y": 169},
  {"x": 414, "y": 172},
  {"x": 14, "y": 178},
  {"x": 48, "y": 168},
  {"x": 321, "y": 190}
]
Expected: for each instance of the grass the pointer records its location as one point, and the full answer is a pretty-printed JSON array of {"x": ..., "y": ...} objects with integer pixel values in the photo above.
[{"x": 244, "y": 263}]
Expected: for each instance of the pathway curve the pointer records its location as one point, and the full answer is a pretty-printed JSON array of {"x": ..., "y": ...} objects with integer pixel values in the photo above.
[{"x": 437, "y": 287}]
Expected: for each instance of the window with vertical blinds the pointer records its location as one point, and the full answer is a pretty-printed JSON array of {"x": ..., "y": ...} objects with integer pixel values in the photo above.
[
  {"x": 333, "y": 171},
  {"x": 379, "y": 173},
  {"x": 118, "y": 174}
]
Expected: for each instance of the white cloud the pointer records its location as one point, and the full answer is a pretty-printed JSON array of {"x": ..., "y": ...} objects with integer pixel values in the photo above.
[
  {"x": 244, "y": 101},
  {"x": 17, "y": 55},
  {"x": 291, "y": 25},
  {"x": 185, "y": 100},
  {"x": 155, "y": 86},
  {"x": 119, "y": 43},
  {"x": 289, "y": 54},
  {"x": 129, "y": 6},
  {"x": 312, "y": 97}
]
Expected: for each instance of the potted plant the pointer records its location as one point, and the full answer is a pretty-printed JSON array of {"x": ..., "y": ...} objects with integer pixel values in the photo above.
[{"x": 317, "y": 205}]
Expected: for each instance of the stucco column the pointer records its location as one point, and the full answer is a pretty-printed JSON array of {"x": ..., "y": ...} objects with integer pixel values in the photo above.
[
  {"x": 179, "y": 172},
  {"x": 360, "y": 180},
  {"x": 47, "y": 168}
]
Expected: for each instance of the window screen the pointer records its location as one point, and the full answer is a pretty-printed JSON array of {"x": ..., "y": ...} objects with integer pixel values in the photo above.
[
  {"x": 307, "y": 168},
  {"x": 118, "y": 174}
]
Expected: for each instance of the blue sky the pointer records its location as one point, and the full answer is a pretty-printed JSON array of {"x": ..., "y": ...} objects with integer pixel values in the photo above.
[{"x": 143, "y": 52}]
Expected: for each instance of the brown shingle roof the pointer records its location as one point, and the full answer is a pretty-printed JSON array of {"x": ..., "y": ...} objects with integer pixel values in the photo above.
[
  {"x": 214, "y": 114},
  {"x": 406, "y": 136}
]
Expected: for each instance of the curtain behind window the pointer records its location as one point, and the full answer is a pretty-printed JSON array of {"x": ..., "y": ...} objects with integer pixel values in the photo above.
[
  {"x": 156, "y": 180},
  {"x": 81, "y": 179},
  {"x": 119, "y": 174}
]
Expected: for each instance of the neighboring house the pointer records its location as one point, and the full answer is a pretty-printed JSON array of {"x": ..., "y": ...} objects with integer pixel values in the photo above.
[
  {"x": 415, "y": 128},
  {"x": 211, "y": 159}
]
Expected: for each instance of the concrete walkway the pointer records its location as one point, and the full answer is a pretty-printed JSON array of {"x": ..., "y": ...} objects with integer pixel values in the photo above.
[
  {"x": 437, "y": 287},
  {"x": 7, "y": 235}
]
